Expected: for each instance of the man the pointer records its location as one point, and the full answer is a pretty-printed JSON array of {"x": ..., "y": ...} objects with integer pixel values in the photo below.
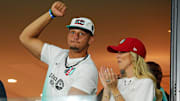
[{"x": 71, "y": 71}]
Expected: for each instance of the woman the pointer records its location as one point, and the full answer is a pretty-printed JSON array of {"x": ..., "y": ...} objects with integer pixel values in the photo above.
[{"x": 136, "y": 83}]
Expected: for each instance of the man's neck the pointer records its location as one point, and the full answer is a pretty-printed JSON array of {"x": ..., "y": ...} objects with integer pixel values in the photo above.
[{"x": 74, "y": 54}]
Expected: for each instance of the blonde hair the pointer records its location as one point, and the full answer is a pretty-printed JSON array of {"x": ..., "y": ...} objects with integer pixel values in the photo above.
[{"x": 142, "y": 71}]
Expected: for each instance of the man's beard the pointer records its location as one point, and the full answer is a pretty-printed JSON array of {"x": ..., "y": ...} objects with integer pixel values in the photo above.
[{"x": 74, "y": 48}]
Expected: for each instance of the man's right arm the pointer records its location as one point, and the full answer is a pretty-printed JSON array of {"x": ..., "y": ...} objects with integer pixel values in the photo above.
[{"x": 29, "y": 36}]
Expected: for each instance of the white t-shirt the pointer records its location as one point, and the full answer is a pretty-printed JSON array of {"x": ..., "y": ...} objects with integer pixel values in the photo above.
[
  {"x": 133, "y": 89},
  {"x": 85, "y": 76}
]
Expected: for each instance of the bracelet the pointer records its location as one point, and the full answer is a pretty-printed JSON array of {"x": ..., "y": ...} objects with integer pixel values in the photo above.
[{"x": 51, "y": 14}]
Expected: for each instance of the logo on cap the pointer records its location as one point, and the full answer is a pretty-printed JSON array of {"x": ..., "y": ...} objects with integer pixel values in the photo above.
[
  {"x": 81, "y": 22},
  {"x": 134, "y": 49},
  {"x": 122, "y": 41}
]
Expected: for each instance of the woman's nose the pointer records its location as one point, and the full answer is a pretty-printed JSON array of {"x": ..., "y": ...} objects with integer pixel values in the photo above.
[{"x": 118, "y": 56}]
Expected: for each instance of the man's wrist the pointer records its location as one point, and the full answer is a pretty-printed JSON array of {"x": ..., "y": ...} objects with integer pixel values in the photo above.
[{"x": 51, "y": 14}]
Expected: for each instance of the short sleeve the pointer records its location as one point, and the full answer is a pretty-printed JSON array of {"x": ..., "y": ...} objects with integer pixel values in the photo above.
[
  {"x": 87, "y": 79},
  {"x": 49, "y": 52},
  {"x": 145, "y": 91}
]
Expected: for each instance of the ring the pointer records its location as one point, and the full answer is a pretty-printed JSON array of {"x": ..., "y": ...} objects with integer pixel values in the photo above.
[{"x": 107, "y": 80}]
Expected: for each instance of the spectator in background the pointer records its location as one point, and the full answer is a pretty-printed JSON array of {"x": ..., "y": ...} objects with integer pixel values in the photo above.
[
  {"x": 3, "y": 96},
  {"x": 157, "y": 72}
]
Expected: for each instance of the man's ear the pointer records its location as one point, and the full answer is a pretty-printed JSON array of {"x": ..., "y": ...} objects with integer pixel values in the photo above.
[{"x": 91, "y": 40}]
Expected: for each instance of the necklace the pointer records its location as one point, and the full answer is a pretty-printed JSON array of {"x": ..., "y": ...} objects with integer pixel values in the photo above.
[{"x": 70, "y": 69}]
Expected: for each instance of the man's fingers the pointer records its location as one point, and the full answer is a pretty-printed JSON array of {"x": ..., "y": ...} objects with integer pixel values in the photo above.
[
  {"x": 63, "y": 9},
  {"x": 61, "y": 6},
  {"x": 58, "y": 5}
]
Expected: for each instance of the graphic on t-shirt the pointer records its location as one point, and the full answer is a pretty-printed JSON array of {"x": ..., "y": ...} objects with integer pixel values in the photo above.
[
  {"x": 59, "y": 84},
  {"x": 55, "y": 82},
  {"x": 53, "y": 79}
]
